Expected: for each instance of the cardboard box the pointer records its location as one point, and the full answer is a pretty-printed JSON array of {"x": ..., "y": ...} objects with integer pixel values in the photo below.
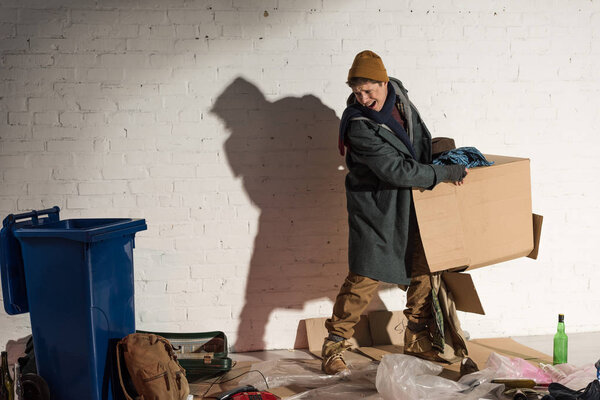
[{"x": 485, "y": 221}]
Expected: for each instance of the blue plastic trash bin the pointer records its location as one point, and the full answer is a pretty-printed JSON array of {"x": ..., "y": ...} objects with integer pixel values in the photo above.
[{"x": 77, "y": 275}]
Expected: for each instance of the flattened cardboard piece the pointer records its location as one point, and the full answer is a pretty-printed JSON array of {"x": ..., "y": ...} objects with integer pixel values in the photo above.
[
  {"x": 537, "y": 232},
  {"x": 511, "y": 348},
  {"x": 316, "y": 333},
  {"x": 387, "y": 327},
  {"x": 463, "y": 291},
  {"x": 377, "y": 353},
  {"x": 485, "y": 221}
]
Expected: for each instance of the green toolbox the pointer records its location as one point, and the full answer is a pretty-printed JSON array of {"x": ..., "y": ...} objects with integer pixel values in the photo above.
[{"x": 201, "y": 354}]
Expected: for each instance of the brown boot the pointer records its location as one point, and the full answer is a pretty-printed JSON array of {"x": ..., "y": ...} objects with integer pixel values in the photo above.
[
  {"x": 332, "y": 353},
  {"x": 418, "y": 344},
  {"x": 468, "y": 366}
]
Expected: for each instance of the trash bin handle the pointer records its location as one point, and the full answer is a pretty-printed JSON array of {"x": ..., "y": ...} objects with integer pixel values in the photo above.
[{"x": 51, "y": 212}]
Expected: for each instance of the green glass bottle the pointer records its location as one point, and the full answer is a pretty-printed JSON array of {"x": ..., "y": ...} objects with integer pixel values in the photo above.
[
  {"x": 3, "y": 393},
  {"x": 7, "y": 381},
  {"x": 560, "y": 342}
]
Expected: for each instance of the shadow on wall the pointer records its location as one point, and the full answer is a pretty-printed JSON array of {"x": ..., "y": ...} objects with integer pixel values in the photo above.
[{"x": 286, "y": 154}]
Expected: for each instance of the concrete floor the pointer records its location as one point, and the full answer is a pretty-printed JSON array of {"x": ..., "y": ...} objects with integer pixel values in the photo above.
[{"x": 584, "y": 348}]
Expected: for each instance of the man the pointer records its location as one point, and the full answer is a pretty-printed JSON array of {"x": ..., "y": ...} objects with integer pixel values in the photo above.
[{"x": 388, "y": 153}]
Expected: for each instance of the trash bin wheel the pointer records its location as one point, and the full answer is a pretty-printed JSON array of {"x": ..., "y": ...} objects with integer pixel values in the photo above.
[{"x": 34, "y": 387}]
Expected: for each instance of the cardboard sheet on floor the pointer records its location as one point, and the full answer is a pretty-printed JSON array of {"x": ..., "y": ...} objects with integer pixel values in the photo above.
[{"x": 382, "y": 332}]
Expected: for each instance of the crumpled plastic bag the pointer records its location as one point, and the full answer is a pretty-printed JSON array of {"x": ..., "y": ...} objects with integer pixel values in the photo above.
[
  {"x": 571, "y": 376},
  {"x": 516, "y": 368},
  {"x": 341, "y": 391},
  {"x": 404, "y": 377},
  {"x": 566, "y": 374}
]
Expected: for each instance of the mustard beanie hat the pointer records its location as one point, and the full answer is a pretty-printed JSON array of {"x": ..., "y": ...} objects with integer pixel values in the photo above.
[{"x": 368, "y": 65}]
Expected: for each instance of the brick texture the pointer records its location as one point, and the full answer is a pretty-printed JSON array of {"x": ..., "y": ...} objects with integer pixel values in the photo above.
[{"x": 217, "y": 122}]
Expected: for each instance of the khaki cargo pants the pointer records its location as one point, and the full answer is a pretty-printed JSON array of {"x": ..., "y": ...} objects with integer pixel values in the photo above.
[{"x": 357, "y": 291}]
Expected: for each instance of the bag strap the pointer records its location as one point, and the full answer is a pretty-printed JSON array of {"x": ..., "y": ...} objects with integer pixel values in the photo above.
[
  {"x": 370, "y": 120},
  {"x": 119, "y": 353}
]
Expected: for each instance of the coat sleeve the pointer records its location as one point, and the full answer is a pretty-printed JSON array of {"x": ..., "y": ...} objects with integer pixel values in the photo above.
[{"x": 367, "y": 147}]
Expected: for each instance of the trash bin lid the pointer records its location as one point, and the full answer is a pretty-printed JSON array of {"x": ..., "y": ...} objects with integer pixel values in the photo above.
[
  {"x": 14, "y": 290},
  {"x": 46, "y": 224},
  {"x": 84, "y": 230}
]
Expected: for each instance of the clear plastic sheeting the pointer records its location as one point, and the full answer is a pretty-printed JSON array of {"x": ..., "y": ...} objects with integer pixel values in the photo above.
[
  {"x": 571, "y": 376},
  {"x": 361, "y": 389},
  {"x": 402, "y": 377},
  {"x": 308, "y": 374}
]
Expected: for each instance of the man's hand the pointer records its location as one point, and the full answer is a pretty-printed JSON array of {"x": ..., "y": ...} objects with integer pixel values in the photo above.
[
  {"x": 458, "y": 183},
  {"x": 456, "y": 173}
]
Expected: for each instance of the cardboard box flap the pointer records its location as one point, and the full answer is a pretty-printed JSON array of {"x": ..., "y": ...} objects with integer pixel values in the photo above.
[
  {"x": 485, "y": 221},
  {"x": 537, "y": 232},
  {"x": 463, "y": 291},
  {"x": 510, "y": 348},
  {"x": 377, "y": 353}
]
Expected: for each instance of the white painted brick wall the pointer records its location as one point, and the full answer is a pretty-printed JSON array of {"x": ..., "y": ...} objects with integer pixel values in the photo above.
[{"x": 217, "y": 122}]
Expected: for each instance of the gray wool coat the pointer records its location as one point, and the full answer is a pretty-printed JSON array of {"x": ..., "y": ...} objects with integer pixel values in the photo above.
[{"x": 381, "y": 175}]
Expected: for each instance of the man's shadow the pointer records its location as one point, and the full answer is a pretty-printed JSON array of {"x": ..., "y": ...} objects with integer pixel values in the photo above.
[{"x": 286, "y": 154}]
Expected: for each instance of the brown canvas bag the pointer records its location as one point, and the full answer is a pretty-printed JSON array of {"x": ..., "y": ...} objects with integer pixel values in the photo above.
[{"x": 153, "y": 368}]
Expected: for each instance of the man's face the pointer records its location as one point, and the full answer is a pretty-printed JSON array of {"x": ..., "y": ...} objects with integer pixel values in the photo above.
[{"x": 371, "y": 95}]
